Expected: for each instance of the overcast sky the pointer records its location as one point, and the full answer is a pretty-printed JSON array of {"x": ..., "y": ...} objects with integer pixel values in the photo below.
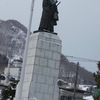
[{"x": 78, "y": 26}]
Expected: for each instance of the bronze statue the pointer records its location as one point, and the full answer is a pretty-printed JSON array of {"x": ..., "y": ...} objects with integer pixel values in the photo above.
[{"x": 49, "y": 16}]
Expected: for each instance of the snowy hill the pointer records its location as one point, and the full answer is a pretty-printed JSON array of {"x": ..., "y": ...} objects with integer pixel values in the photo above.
[
  {"x": 12, "y": 37},
  {"x": 68, "y": 72},
  {"x": 12, "y": 42}
]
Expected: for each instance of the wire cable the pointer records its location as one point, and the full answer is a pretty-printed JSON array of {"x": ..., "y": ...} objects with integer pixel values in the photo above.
[{"x": 80, "y": 59}]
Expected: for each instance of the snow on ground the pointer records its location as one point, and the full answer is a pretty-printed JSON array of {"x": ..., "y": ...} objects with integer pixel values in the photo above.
[
  {"x": 16, "y": 57},
  {"x": 84, "y": 87},
  {"x": 33, "y": 98},
  {"x": 88, "y": 98}
]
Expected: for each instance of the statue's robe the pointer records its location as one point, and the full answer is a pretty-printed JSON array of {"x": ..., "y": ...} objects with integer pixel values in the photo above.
[{"x": 49, "y": 16}]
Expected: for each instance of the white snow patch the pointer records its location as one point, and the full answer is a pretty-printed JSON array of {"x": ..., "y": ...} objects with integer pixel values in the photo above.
[
  {"x": 16, "y": 57},
  {"x": 88, "y": 98},
  {"x": 13, "y": 27},
  {"x": 62, "y": 80},
  {"x": 34, "y": 98}
]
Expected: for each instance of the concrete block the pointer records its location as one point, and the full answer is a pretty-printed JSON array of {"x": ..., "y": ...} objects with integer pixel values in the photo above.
[
  {"x": 51, "y": 89},
  {"x": 56, "y": 56},
  {"x": 38, "y": 87},
  {"x": 39, "y": 44},
  {"x": 55, "y": 79},
  {"x": 25, "y": 78},
  {"x": 25, "y": 94},
  {"x": 34, "y": 35},
  {"x": 56, "y": 93},
  {"x": 44, "y": 88},
  {"x": 54, "y": 72},
  {"x": 40, "y": 52},
  {"x": 26, "y": 86},
  {"x": 25, "y": 99},
  {"x": 59, "y": 47},
  {"x": 37, "y": 61},
  {"x": 35, "y": 38},
  {"x": 30, "y": 61},
  {"x": 57, "y": 41},
  {"x": 44, "y": 34},
  {"x": 49, "y": 80},
  {"x": 51, "y": 63},
  {"x": 48, "y": 54},
  {"x": 28, "y": 77},
  {"x": 53, "y": 47},
  {"x": 47, "y": 97},
  {"x": 31, "y": 52},
  {"x": 43, "y": 62},
  {"x": 48, "y": 39},
  {"x": 37, "y": 69},
  {"x": 45, "y": 45},
  {"x": 41, "y": 78},
  {"x": 34, "y": 78},
  {"x": 32, "y": 44},
  {"x": 54, "y": 37},
  {"x": 42, "y": 38},
  {"x": 39, "y": 96},
  {"x": 57, "y": 64},
  {"x": 46, "y": 71},
  {"x": 29, "y": 69},
  {"x": 32, "y": 89},
  {"x": 31, "y": 37}
]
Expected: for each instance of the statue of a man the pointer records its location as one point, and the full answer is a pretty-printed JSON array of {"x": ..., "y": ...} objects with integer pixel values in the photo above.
[{"x": 49, "y": 16}]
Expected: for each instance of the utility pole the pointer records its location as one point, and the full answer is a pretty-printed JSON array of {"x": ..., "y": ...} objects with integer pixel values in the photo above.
[
  {"x": 76, "y": 81},
  {"x": 8, "y": 72},
  {"x": 9, "y": 55},
  {"x": 25, "y": 54}
]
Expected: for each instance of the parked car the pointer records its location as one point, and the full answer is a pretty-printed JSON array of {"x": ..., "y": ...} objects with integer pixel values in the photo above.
[
  {"x": 88, "y": 96},
  {"x": 84, "y": 87}
]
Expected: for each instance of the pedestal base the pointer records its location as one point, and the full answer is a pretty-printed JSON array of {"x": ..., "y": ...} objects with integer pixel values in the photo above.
[{"x": 42, "y": 67}]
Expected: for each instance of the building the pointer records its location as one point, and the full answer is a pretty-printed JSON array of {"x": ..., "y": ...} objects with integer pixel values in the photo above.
[{"x": 14, "y": 70}]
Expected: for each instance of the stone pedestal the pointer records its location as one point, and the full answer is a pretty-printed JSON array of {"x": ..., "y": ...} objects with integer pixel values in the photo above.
[{"x": 42, "y": 67}]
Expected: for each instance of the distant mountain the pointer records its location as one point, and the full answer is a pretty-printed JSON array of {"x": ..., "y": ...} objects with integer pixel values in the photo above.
[
  {"x": 12, "y": 42},
  {"x": 12, "y": 37},
  {"x": 68, "y": 72}
]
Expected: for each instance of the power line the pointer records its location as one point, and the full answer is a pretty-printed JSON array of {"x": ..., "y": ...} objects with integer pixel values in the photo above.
[{"x": 80, "y": 59}]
